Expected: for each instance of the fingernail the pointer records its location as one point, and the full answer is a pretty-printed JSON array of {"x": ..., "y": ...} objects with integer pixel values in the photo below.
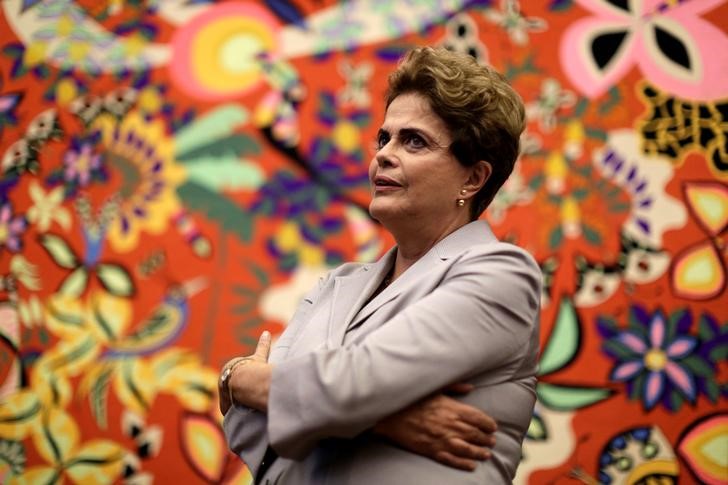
[{"x": 265, "y": 334}]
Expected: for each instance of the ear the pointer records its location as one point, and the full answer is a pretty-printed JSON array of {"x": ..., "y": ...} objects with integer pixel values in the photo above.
[{"x": 479, "y": 175}]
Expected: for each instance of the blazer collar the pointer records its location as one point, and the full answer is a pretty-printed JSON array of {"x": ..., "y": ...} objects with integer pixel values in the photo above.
[
  {"x": 476, "y": 232},
  {"x": 352, "y": 292}
]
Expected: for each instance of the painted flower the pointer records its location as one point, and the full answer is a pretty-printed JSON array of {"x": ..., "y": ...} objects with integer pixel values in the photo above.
[
  {"x": 512, "y": 20},
  {"x": 59, "y": 445},
  {"x": 651, "y": 357},
  {"x": 551, "y": 99},
  {"x": 12, "y": 227},
  {"x": 674, "y": 48},
  {"x": 47, "y": 208},
  {"x": 142, "y": 153},
  {"x": 82, "y": 163}
]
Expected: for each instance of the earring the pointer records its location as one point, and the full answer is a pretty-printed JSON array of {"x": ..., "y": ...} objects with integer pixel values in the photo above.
[{"x": 461, "y": 202}]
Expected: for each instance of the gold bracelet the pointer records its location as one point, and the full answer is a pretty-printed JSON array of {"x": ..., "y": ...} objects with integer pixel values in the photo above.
[{"x": 227, "y": 374}]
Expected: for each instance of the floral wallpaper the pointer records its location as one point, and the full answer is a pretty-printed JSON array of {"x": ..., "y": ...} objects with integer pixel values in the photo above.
[{"x": 176, "y": 173}]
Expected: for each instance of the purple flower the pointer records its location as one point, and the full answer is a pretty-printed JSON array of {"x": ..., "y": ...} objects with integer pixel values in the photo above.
[
  {"x": 653, "y": 357},
  {"x": 81, "y": 163},
  {"x": 11, "y": 228}
]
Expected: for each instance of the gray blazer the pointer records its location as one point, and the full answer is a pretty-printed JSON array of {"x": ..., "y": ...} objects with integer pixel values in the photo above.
[{"x": 468, "y": 310}]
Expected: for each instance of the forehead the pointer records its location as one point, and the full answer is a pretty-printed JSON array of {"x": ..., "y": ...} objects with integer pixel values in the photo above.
[{"x": 413, "y": 111}]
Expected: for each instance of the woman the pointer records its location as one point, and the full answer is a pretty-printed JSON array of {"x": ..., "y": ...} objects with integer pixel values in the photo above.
[{"x": 352, "y": 392}]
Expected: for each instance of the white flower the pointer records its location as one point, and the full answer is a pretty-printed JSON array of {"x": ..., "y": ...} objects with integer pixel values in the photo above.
[
  {"x": 514, "y": 23},
  {"x": 47, "y": 208}
]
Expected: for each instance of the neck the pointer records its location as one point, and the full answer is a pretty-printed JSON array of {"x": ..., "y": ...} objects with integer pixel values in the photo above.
[{"x": 415, "y": 242}]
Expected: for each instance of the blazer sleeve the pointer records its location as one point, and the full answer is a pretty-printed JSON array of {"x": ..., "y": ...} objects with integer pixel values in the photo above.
[
  {"x": 480, "y": 317},
  {"x": 245, "y": 429}
]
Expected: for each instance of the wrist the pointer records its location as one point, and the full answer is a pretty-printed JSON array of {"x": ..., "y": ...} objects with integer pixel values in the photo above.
[{"x": 227, "y": 376}]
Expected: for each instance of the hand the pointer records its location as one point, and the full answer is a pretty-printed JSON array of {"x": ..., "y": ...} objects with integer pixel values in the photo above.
[
  {"x": 443, "y": 429},
  {"x": 262, "y": 351}
]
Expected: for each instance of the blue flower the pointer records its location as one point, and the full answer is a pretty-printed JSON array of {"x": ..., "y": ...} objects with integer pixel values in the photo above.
[{"x": 653, "y": 357}]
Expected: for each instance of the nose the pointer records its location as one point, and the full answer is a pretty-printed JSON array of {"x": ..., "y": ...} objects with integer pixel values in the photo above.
[{"x": 386, "y": 156}]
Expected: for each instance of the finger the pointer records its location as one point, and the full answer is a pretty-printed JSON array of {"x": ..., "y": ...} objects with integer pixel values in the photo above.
[
  {"x": 447, "y": 458},
  {"x": 461, "y": 449},
  {"x": 459, "y": 388},
  {"x": 478, "y": 418},
  {"x": 262, "y": 350},
  {"x": 474, "y": 435}
]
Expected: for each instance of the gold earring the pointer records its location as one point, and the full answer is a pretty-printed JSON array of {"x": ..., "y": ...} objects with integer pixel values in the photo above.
[{"x": 461, "y": 202}]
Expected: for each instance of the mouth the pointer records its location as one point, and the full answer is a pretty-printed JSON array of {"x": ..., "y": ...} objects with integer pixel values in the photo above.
[{"x": 382, "y": 183}]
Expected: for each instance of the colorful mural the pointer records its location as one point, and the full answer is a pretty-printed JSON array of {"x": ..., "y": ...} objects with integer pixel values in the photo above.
[{"x": 176, "y": 173}]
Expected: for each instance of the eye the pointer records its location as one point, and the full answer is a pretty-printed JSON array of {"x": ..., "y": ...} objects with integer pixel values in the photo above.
[
  {"x": 382, "y": 139},
  {"x": 414, "y": 141}
]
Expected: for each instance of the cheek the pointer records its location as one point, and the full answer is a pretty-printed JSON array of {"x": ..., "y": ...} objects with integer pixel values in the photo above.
[{"x": 372, "y": 170}]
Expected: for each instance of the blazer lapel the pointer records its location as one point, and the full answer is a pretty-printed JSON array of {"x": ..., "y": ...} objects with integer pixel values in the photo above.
[
  {"x": 351, "y": 293},
  {"x": 457, "y": 242}
]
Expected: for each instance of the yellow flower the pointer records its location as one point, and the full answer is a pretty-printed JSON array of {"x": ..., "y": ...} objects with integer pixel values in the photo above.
[
  {"x": 134, "y": 45},
  {"x": 311, "y": 255},
  {"x": 346, "y": 136},
  {"x": 149, "y": 100},
  {"x": 47, "y": 208},
  {"x": 66, "y": 91},
  {"x": 64, "y": 26},
  {"x": 58, "y": 441},
  {"x": 143, "y": 154},
  {"x": 78, "y": 50},
  {"x": 34, "y": 53}
]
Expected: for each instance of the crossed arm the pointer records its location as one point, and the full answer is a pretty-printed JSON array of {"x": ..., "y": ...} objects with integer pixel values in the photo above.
[
  {"x": 481, "y": 317},
  {"x": 438, "y": 426}
]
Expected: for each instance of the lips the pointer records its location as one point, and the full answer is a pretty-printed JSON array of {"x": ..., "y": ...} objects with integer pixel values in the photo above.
[{"x": 381, "y": 181}]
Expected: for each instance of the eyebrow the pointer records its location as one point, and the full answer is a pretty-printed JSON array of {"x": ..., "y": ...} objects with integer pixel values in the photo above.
[{"x": 409, "y": 131}]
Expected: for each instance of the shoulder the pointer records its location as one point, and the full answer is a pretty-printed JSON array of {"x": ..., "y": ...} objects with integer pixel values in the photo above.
[{"x": 502, "y": 251}]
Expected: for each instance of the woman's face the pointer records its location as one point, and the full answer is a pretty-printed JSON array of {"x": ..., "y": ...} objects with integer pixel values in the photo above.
[{"x": 413, "y": 175}]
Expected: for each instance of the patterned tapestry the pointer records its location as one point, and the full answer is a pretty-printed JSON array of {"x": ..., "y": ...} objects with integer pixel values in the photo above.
[{"x": 175, "y": 174}]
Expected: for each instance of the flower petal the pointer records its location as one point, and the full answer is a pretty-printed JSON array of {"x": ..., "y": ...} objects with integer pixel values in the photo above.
[
  {"x": 681, "y": 347},
  {"x": 633, "y": 342},
  {"x": 654, "y": 387},
  {"x": 626, "y": 370},
  {"x": 657, "y": 331},
  {"x": 682, "y": 379}
]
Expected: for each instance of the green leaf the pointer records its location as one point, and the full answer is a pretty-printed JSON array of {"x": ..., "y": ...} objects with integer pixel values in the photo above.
[
  {"x": 638, "y": 386},
  {"x": 537, "y": 429},
  {"x": 260, "y": 274},
  {"x": 536, "y": 182},
  {"x": 563, "y": 341},
  {"x": 59, "y": 251},
  {"x": 712, "y": 390},
  {"x": 618, "y": 349},
  {"x": 697, "y": 365},
  {"x": 225, "y": 174},
  {"x": 555, "y": 237},
  {"x": 676, "y": 401},
  {"x": 591, "y": 235},
  {"x": 580, "y": 107},
  {"x": 227, "y": 213},
  {"x": 230, "y": 147},
  {"x": 719, "y": 353},
  {"x": 211, "y": 126},
  {"x": 567, "y": 398},
  {"x": 705, "y": 332},
  {"x": 595, "y": 133},
  {"x": 98, "y": 398},
  {"x": 580, "y": 194},
  {"x": 75, "y": 283},
  {"x": 115, "y": 279}
]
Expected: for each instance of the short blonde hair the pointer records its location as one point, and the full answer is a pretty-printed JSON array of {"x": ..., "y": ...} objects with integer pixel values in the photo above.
[{"x": 484, "y": 114}]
